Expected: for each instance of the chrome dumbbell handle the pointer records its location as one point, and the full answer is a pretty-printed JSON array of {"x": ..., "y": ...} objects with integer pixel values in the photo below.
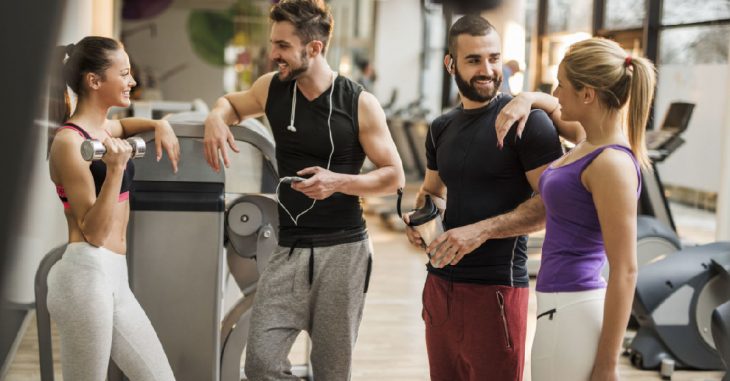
[{"x": 92, "y": 150}]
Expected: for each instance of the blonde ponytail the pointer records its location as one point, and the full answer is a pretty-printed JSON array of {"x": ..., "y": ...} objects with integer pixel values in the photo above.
[
  {"x": 618, "y": 79},
  {"x": 640, "y": 96}
]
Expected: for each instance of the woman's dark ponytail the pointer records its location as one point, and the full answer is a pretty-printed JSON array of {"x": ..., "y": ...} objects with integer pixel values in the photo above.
[
  {"x": 71, "y": 63},
  {"x": 59, "y": 103}
]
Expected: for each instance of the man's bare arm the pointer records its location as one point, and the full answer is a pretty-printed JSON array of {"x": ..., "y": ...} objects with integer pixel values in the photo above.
[
  {"x": 379, "y": 148},
  {"x": 432, "y": 185},
  {"x": 528, "y": 217},
  {"x": 228, "y": 110}
]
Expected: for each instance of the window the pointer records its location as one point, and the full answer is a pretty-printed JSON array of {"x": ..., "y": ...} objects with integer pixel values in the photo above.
[
  {"x": 570, "y": 16},
  {"x": 624, "y": 14},
  {"x": 688, "y": 11},
  {"x": 695, "y": 45}
]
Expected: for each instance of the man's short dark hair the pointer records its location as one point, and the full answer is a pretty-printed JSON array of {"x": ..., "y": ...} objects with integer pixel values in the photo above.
[
  {"x": 312, "y": 19},
  {"x": 472, "y": 25}
]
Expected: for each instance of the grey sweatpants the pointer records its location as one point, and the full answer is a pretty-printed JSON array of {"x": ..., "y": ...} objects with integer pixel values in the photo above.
[
  {"x": 330, "y": 310},
  {"x": 98, "y": 317}
]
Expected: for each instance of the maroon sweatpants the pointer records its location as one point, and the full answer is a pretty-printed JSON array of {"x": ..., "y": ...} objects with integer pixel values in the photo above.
[{"x": 474, "y": 332}]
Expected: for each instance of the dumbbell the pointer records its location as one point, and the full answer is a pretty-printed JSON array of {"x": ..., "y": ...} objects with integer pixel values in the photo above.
[{"x": 94, "y": 149}]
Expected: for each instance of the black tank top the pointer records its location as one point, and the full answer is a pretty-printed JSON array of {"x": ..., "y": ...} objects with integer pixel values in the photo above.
[{"x": 310, "y": 146}]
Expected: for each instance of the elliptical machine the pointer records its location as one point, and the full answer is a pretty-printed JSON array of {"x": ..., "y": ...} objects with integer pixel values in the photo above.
[
  {"x": 676, "y": 292},
  {"x": 721, "y": 334},
  {"x": 674, "y": 302}
]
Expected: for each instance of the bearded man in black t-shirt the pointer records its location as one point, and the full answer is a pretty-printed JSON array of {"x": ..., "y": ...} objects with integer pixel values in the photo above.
[{"x": 476, "y": 293}]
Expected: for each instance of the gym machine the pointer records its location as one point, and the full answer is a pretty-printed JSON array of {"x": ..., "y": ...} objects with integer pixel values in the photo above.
[
  {"x": 674, "y": 303},
  {"x": 678, "y": 295},
  {"x": 721, "y": 334}
]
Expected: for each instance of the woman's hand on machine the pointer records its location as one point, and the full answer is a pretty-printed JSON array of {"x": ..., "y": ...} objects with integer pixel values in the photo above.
[
  {"x": 517, "y": 110},
  {"x": 321, "y": 185},
  {"x": 118, "y": 152},
  {"x": 215, "y": 137},
  {"x": 454, "y": 244},
  {"x": 166, "y": 139}
]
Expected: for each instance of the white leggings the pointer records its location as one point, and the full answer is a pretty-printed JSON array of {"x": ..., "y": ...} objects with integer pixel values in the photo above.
[
  {"x": 566, "y": 341},
  {"x": 98, "y": 317}
]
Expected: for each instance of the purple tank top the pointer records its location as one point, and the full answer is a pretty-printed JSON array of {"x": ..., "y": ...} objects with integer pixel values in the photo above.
[{"x": 572, "y": 253}]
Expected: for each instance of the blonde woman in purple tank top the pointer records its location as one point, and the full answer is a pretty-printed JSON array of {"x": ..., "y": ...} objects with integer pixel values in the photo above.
[{"x": 590, "y": 195}]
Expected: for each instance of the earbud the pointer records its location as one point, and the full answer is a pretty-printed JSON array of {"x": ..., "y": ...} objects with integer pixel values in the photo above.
[{"x": 291, "y": 127}]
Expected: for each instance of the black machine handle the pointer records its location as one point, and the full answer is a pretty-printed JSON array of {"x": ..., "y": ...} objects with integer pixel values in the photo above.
[{"x": 720, "y": 269}]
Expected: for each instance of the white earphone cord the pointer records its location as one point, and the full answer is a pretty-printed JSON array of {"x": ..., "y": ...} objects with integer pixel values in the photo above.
[{"x": 293, "y": 129}]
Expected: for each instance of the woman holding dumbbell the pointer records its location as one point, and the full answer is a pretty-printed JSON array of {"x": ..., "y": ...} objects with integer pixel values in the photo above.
[{"x": 89, "y": 298}]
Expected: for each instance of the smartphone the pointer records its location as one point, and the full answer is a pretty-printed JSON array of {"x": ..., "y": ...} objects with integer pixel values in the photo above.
[{"x": 292, "y": 179}]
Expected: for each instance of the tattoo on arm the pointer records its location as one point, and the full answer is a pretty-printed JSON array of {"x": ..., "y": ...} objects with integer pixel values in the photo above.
[{"x": 527, "y": 218}]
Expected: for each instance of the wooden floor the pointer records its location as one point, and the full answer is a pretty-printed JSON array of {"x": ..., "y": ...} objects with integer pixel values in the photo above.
[{"x": 391, "y": 342}]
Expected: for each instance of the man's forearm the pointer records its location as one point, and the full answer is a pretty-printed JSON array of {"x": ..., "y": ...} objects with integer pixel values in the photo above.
[
  {"x": 382, "y": 181},
  {"x": 224, "y": 109},
  {"x": 527, "y": 218}
]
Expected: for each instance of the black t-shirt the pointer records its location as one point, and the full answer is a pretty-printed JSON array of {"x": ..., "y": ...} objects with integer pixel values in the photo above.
[
  {"x": 310, "y": 146},
  {"x": 483, "y": 181}
]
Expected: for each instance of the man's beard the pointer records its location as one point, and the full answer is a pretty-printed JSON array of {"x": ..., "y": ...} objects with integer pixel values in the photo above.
[
  {"x": 295, "y": 72},
  {"x": 469, "y": 90}
]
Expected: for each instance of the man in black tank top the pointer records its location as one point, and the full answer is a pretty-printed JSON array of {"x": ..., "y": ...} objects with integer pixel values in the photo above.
[
  {"x": 476, "y": 293},
  {"x": 324, "y": 126}
]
